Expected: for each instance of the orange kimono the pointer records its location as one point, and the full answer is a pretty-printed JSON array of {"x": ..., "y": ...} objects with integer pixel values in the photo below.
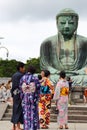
[{"x": 45, "y": 103}]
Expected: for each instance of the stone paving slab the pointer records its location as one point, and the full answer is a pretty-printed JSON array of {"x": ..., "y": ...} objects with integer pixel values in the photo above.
[{"x": 7, "y": 125}]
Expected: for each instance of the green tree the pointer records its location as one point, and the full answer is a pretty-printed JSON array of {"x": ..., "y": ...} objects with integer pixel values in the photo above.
[
  {"x": 35, "y": 62},
  {"x": 7, "y": 67}
]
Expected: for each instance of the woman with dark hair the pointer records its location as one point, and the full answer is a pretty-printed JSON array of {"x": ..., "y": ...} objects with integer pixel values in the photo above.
[
  {"x": 46, "y": 92},
  {"x": 61, "y": 98},
  {"x": 30, "y": 89}
]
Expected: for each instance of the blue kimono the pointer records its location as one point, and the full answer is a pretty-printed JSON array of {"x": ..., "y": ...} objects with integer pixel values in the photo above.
[{"x": 30, "y": 90}]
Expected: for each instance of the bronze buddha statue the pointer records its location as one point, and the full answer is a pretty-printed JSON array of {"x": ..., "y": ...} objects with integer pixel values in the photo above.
[{"x": 66, "y": 50}]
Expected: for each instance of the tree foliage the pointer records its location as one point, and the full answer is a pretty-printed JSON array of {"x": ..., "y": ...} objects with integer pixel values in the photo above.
[
  {"x": 35, "y": 62},
  {"x": 8, "y": 67}
]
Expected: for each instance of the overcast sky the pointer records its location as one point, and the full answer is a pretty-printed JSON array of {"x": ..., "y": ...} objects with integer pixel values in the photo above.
[{"x": 24, "y": 24}]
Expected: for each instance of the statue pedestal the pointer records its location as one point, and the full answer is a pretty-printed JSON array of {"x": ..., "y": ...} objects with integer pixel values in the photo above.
[{"x": 77, "y": 95}]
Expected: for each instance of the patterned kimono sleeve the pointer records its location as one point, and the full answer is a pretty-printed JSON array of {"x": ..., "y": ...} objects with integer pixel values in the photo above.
[
  {"x": 57, "y": 92},
  {"x": 51, "y": 86}
]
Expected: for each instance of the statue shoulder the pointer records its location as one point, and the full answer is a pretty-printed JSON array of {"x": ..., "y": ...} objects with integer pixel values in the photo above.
[
  {"x": 82, "y": 38},
  {"x": 50, "y": 40}
]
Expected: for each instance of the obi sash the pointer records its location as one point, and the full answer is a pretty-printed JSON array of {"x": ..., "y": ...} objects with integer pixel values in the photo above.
[
  {"x": 30, "y": 88},
  {"x": 44, "y": 90},
  {"x": 64, "y": 91}
]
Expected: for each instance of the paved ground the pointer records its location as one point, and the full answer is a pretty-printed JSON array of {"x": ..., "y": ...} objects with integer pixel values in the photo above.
[
  {"x": 6, "y": 125},
  {"x": 3, "y": 107}
]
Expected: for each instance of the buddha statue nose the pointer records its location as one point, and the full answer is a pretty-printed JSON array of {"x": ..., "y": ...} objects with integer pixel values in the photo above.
[{"x": 66, "y": 26}]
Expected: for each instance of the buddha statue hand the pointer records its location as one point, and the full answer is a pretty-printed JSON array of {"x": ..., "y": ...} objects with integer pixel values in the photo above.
[
  {"x": 52, "y": 70},
  {"x": 82, "y": 71},
  {"x": 72, "y": 72}
]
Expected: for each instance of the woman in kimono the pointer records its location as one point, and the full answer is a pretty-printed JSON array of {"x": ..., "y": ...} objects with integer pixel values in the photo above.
[
  {"x": 30, "y": 89},
  {"x": 61, "y": 97},
  {"x": 46, "y": 92}
]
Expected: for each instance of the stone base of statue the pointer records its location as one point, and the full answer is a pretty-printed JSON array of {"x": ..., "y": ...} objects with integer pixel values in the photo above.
[{"x": 77, "y": 95}]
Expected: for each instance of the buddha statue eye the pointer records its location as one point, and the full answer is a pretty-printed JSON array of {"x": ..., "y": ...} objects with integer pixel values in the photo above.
[
  {"x": 62, "y": 22},
  {"x": 71, "y": 22}
]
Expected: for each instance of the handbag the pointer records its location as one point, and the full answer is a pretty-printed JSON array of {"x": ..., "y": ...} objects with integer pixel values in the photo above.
[{"x": 44, "y": 90}]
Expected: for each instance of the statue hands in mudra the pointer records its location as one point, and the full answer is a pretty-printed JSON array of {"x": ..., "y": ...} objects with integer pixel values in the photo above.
[{"x": 65, "y": 51}]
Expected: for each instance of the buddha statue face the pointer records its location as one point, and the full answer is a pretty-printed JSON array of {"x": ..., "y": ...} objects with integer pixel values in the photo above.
[{"x": 67, "y": 25}]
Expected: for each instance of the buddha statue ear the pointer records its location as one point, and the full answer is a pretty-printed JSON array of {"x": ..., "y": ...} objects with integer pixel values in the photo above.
[
  {"x": 57, "y": 23},
  {"x": 77, "y": 22},
  {"x": 75, "y": 32}
]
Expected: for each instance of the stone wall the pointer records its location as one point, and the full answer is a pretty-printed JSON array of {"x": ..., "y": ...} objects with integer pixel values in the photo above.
[
  {"x": 77, "y": 94},
  {"x": 4, "y": 79}
]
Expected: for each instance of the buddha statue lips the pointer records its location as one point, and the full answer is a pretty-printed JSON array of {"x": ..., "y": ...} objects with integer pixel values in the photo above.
[{"x": 66, "y": 31}]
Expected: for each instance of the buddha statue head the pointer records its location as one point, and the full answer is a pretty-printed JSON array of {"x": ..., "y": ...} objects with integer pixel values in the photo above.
[{"x": 67, "y": 22}]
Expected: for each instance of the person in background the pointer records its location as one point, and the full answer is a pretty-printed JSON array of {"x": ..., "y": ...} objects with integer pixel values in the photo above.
[
  {"x": 40, "y": 78},
  {"x": 46, "y": 93},
  {"x": 85, "y": 96},
  {"x": 17, "y": 114},
  {"x": 70, "y": 88},
  {"x": 9, "y": 83},
  {"x": 85, "y": 90},
  {"x": 8, "y": 97},
  {"x": 61, "y": 97},
  {"x": 30, "y": 90},
  {"x": 3, "y": 92},
  {"x": 69, "y": 82}
]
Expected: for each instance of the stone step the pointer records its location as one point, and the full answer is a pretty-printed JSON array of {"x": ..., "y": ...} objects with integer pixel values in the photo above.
[
  {"x": 71, "y": 117},
  {"x": 7, "y": 114},
  {"x": 77, "y": 117},
  {"x": 6, "y": 118},
  {"x": 3, "y": 108},
  {"x": 9, "y": 111},
  {"x": 53, "y": 120},
  {"x": 77, "y": 108},
  {"x": 71, "y": 121},
  {"x": 77, "y": 112},
  {"x": 72, "y": 107},
  {"x": 77, "y": 121},
  {"x": 10, "y": 107}
]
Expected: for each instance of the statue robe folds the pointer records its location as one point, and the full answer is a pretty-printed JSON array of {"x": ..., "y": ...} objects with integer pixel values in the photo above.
[{"x": 50, "y": 52}]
